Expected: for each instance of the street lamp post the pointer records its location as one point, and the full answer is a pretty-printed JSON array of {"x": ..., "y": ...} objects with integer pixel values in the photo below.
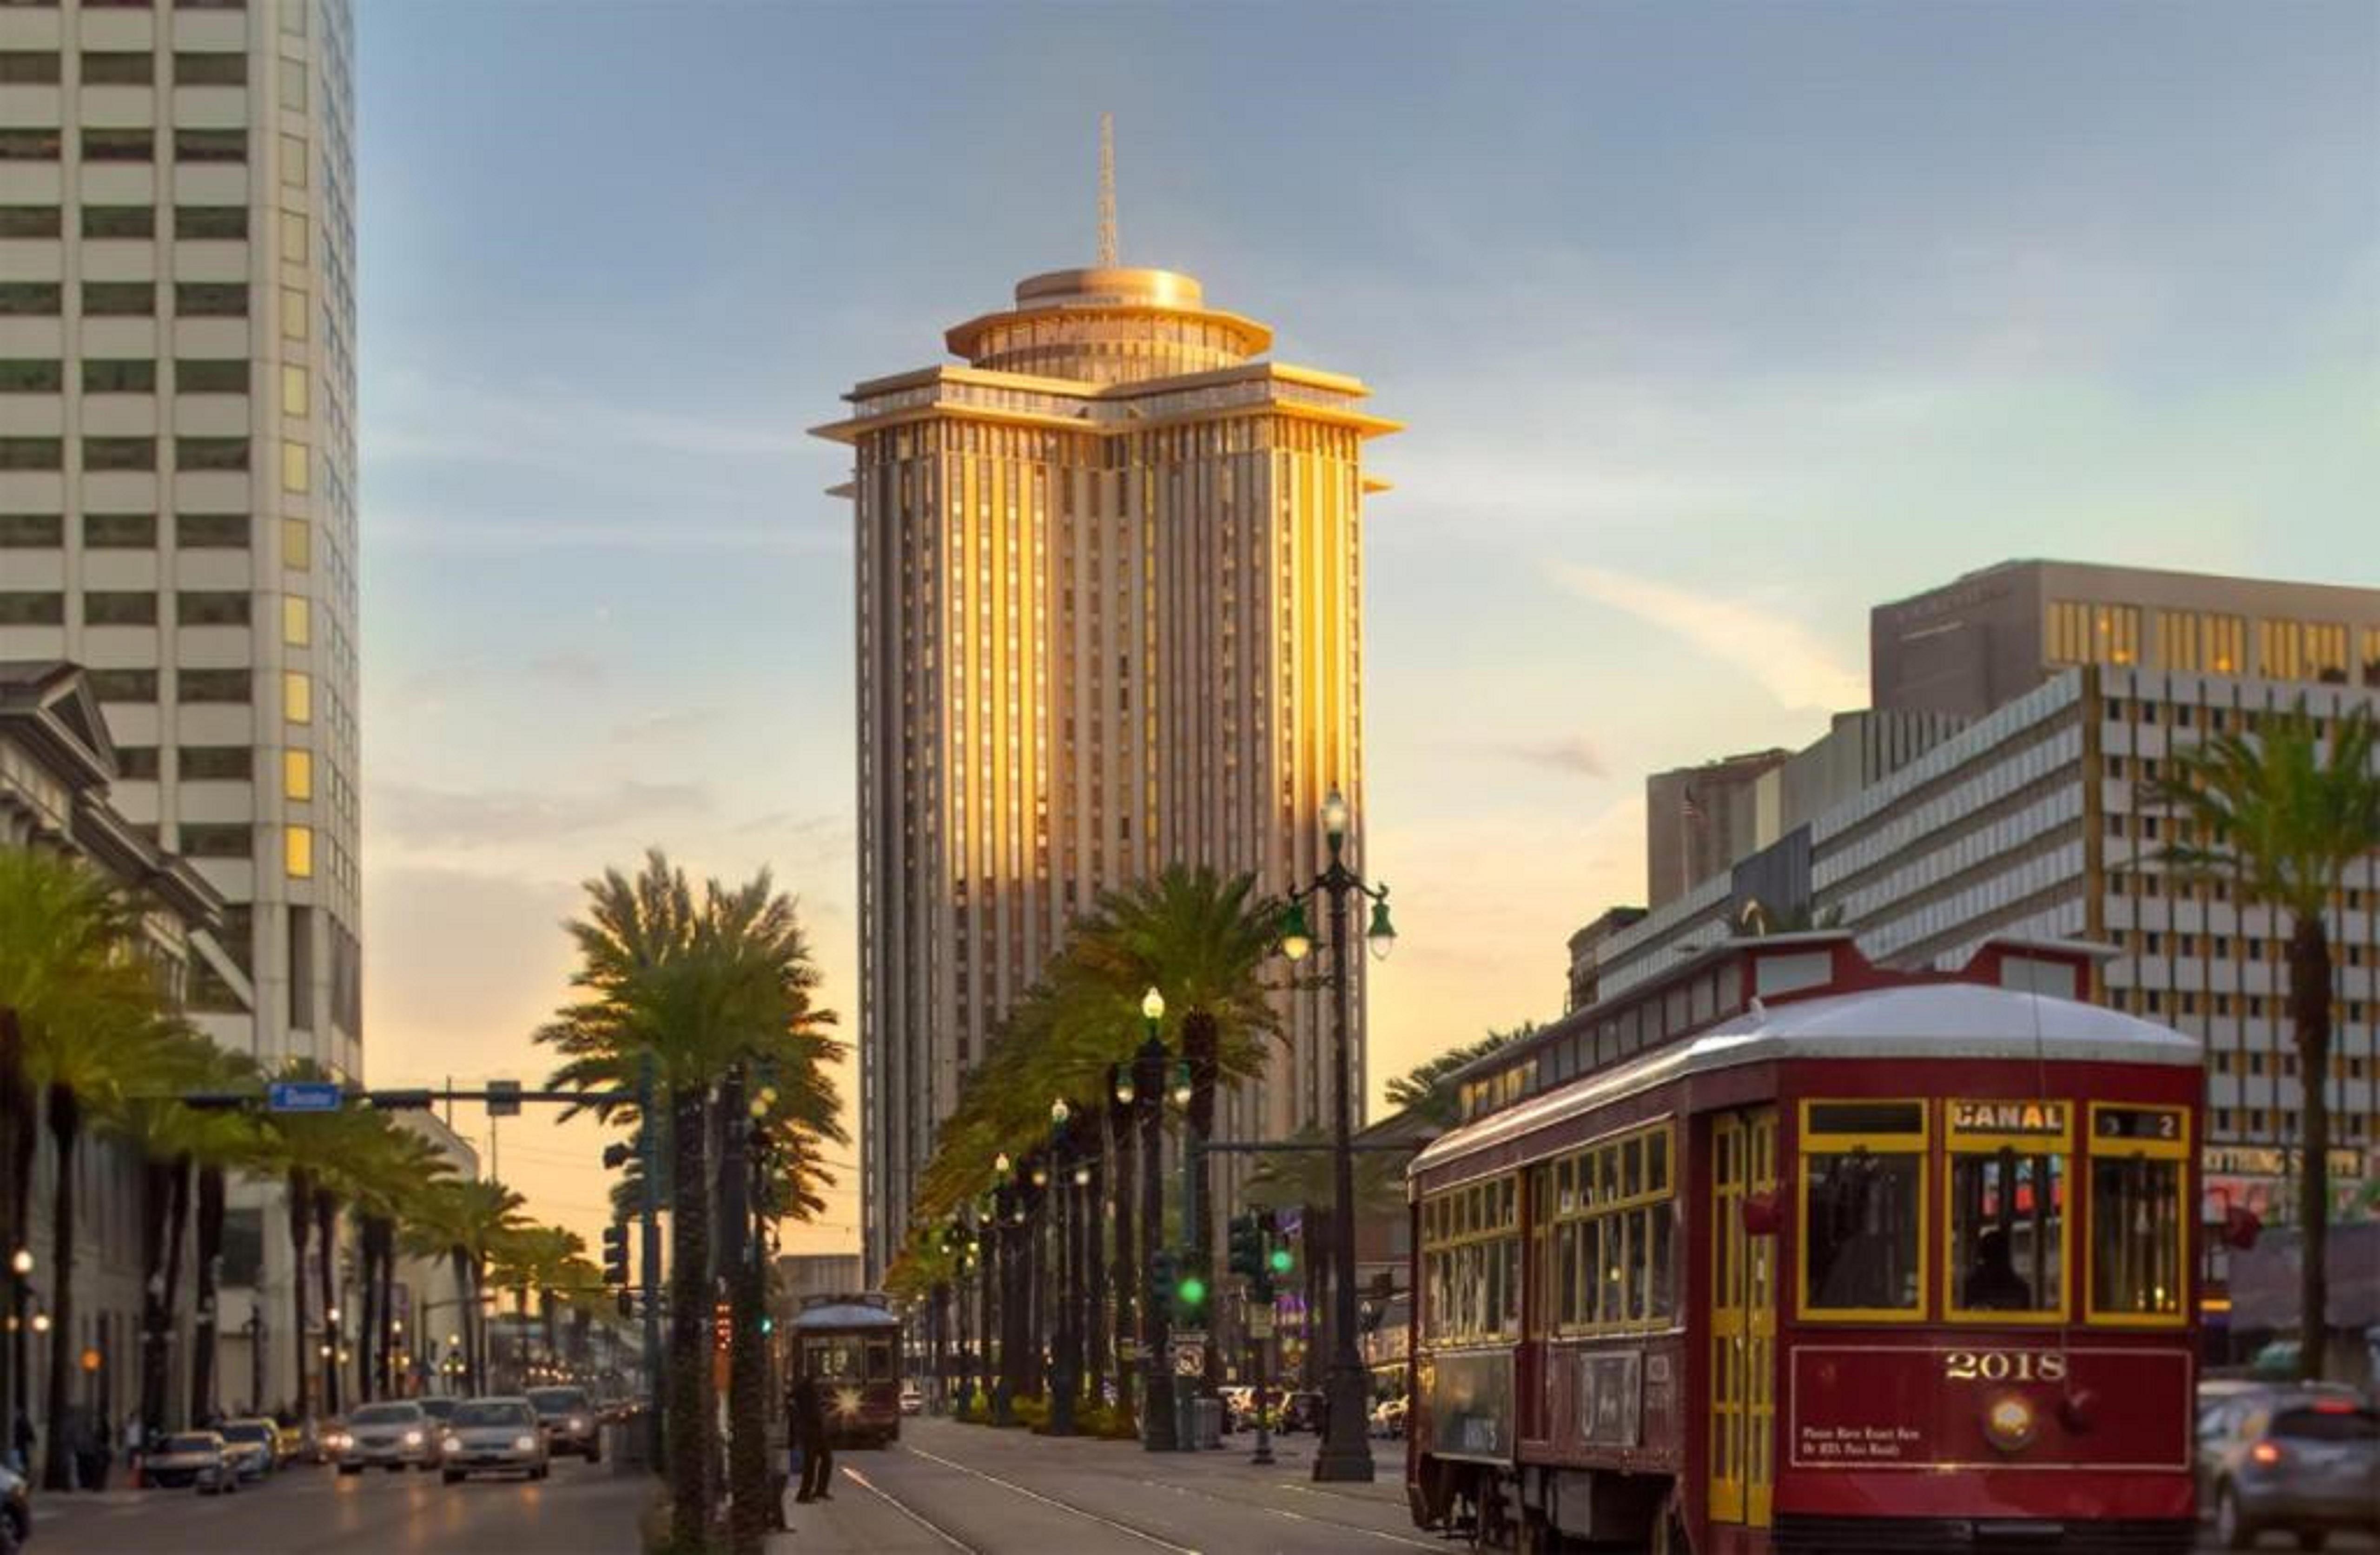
[
  {"x": 1346, "y": 1451},
  {"x": 1157, "y": 1432},
  {"x": 1066, "y": 1365},
  {"x": 1004, "y": 1266}
]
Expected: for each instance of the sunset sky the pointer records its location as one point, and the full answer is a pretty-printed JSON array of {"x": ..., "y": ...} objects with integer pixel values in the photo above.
[{"x": 1711, "y": 327}]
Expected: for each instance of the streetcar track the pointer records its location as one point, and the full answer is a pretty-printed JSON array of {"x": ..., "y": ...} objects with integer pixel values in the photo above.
[
  {"x": 910, "y": 1512},
  {"x": 1298, "y": 1516},
  {"x": 1031, "y": 1494}
]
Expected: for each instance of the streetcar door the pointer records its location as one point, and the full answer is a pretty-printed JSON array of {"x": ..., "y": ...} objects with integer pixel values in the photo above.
[{"x": 1743, "y": 1321}]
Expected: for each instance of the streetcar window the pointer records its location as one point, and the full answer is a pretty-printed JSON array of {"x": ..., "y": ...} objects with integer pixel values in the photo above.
[
  {"x": 2136, "y": 1238},
  {"x": 838, "y": 1358},
  {"x": 1657, "y": 1162},
  {"x": 879, "y": 1361},
  {"x": 2008, "y": 1232},
  {"x": 1861, "y": 1250},
  {"x": 1613, "y": 1243}
]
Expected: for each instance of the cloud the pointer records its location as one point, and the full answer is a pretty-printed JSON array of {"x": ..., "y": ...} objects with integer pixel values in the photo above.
[
  {"x": 417, "y": 815},
  {"x": 1779, "y": 653},
  {"x": 1571, "y": 753},
  {"x": 666, "y": 727}
]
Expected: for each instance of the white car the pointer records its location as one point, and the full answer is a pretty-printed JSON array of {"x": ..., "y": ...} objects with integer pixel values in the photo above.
[
  {"x": 391, "y": 1435},
  {"x": 495, "y": 1436},
  {"x": 191, "y": 1458},
  {"x": 913, "y": 1399}
]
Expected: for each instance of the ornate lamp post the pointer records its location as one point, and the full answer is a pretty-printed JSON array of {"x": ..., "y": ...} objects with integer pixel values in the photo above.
[
  {"x": 1346, "y": 1451},
  {"x": 1065, "y": 1366},
  {"x": 1157, "y": 1432}
]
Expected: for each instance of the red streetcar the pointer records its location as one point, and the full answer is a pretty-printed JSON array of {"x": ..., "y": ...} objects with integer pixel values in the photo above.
[
  {"x": 852, "y": 1345},
  {"x": 1781, "y": 1252}
]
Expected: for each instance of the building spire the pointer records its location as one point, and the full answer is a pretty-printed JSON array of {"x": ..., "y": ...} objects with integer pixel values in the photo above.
[{"x": 1107, "y": 192}]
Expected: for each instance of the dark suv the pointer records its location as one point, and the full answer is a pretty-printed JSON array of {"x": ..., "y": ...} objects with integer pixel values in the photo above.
[{"x": 571, "y": 1423}]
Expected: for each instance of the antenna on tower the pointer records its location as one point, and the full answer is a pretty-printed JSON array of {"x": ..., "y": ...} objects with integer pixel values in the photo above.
[{"x": 1107, "y": 192}]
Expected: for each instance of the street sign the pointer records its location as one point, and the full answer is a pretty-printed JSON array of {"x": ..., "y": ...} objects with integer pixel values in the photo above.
[
  {"x": 303, "y": 1096},
  {"x": 1259, "y": 1322},
  {"x": 1189, "y": 1360},
  {"x": 504, "y": 1098}
]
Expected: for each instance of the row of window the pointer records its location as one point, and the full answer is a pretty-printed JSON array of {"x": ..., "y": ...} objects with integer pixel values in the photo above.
[
  {"x": 126, "y": 299},
  {"x": 2214, "y": 643},
  {"x": 124, "y": 375},
  {"x": 124, "y": 453},
  {"x": 2192, "y": 1001},
  {"x": 124, "y": 145},
  {"x": 192, "y": 531},
  {"x": 123, "y": 67},
  {"x": 193, "y": 221},
  {"x": 151, "y": 5},
  {"x": 125, "y": 607}
]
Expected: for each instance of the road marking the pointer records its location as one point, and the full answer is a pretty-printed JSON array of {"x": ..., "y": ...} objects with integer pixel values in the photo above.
[
  {"x": 1300, "y": 1516},
  {"x": 1051, "y": 1500},
  {"x": 889, "y": 1499}
]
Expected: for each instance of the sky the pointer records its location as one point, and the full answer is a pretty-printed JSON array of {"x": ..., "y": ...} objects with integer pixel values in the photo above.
[{"x": 1711, "y": 327}]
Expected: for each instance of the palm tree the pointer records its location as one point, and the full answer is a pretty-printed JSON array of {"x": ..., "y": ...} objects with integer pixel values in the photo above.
[
  {"x": 166, "y": 1136},
  {"x": 306, "y": 1151},
  {"x": 1303, "y": 1180},
  {"x": 388, "y": 1170},
  {"x": 1424, "y": 1089},
  {"x": 219, "y": 1142},
  {"x": 2282, "y": 815}
]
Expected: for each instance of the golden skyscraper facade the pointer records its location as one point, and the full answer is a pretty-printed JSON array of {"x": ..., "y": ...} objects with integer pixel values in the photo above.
[{"x": 1108, "y": 618}]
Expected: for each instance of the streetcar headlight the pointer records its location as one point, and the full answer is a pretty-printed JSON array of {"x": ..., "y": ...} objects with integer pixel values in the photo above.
[{"x": 2008, "y": 1420}]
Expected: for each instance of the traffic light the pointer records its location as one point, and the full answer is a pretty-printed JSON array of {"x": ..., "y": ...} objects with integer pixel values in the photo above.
[
  {"x": 615, "y": 1254},
  {"x": 1190, "y": 1298},
  {"x": 1247, "y": 1247},
  {"x": 1161, "y": 1276}
]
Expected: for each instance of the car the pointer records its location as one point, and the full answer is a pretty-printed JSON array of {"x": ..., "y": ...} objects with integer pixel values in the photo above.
[
  {"x": 1300, "y": 1412},
  {"x": 16, "y": 1511},
  {"x": 1389, "y": 1418},
  {"x": 494, "y": 1435},
  {"x": 188, "y": 1458},
  {"x": 2292, "y": 1458},
  {"x": 568, "y": 1418},
  {"x": 288, "y": 1443},
  {"x": 254, "y": 1446},
  {"x": 395, "y": 1437},
  {"x": 913, "y": 1399}
]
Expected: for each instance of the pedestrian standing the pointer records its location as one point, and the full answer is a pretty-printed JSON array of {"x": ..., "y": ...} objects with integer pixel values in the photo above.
[{"x": 810, "y": 1435}]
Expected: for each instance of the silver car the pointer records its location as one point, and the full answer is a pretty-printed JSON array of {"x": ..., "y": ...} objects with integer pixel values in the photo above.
[
  {"x": 191, "y": 1458},
  {"x": 391, "y": 1435},
  {"x": 252, "y": 1444},
  {"x": 495, "y": 1436},
  {"x": 2295, "y": 1458}
]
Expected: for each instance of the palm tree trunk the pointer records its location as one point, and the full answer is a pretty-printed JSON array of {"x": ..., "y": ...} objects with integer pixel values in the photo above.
[
  {"x": 326, "y": 1219},
  {"x": 392, "y": 1380},
  {"x": 1128, "y": 1278},
  {"x": 689, "y": 1426},
  {"x": 208, "y": 1324},
  {"x": 464, "y": 1291},
  {"x": 2309, "y": 1010},
  {"x": 16, "y": 1174},
  {"x": 747, "y": 1408},
  {"x": 65, "y": 1128},
  {"x": 301, "y": 1225},
  {"x": 157, "y": 1178},
  {"x": 1095, "y": 1290},
  {"x": 1199, "y": 1047},
  {"x": 178, "y": 1231},
  {"x": 368, "y": 1319}
]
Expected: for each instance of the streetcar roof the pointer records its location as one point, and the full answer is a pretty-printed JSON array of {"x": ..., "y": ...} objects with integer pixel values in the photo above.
[
  {"x": 1934, "y": 1020},
  {"x": 846, "y": 1315}
]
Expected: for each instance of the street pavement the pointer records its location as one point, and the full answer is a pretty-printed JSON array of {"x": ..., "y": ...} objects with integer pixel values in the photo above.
[{"x": 312, "y": 1511}]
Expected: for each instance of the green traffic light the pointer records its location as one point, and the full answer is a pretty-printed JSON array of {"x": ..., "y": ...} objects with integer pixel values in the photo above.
[
  {"x": 1281, "y": 1260},
  {"x": 768, "y": 1325},
  {"x": 1193, "y": 1291}
]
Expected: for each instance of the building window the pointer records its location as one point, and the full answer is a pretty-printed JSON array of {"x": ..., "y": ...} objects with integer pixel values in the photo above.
[
  {"x": 297, "y": 544},
  {"x": 217, "y": 762},
  {"x": 297, "y": 774},
  {"x": 297, "y": 395},
  {"x": 112, "y": 376},
  {"x": 120, "y": 299},
  {"x": 211, "y": 453},
  {"x": 297, "y": 624},
  {"x": 105, "y": 607},
  {"x": 120, "y": 453},
  {"x": 119, "y": 221},
  {"x": 209, "y": 376},
  {"x": 210, "y": 69},
  {"x": 30, "y": 221},
  {"x": 295, "y": 476},
  {"x": 211, "y": 299},
  {"x": 217, "y": 841},
  {"x": 294, "y": 316},
  {"x": 33, "y": 453},
  {"x": 213, "y": 686},
  {"x": 119, "y": 531},
  {"x": 29, "y": 145},
  {"x": 299, "y": 851},
  {"x": 118, "y": 67},
  {"x": 20, "y": 608},
  {"x": 292, "y": 237},
  {"x": 137, "y": 762},
  {"x": 32, "y": 376},
  {"x": 211, "y": 221},
  {"x": 298, "y": 696},
  {"x": 123, "y": 686},
  {"x": 31, "y": 531},
  {"x": 211, "y": 532},
  {"x": 119, "y": 145},
  {"x": 211, "y": 145},
  {"x": 293, "y": 161},
  {"x": 29, "y": 67},
  {"x": 194, "y": 607},
  {"x": 31, "y": 298}
]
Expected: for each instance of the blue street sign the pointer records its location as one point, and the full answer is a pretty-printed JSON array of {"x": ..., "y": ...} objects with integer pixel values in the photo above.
[{"x": 303, "y": 1096}]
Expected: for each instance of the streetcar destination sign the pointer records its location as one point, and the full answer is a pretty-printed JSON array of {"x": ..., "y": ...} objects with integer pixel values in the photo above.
[{"x": 2008, "y": 1117}]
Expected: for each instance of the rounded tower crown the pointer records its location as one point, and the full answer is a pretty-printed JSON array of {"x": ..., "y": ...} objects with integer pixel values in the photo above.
[{"x": 1108, "y": 324}]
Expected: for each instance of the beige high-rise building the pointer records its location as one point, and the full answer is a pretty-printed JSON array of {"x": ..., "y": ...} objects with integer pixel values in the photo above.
[{"x": 1109, "y": 610}]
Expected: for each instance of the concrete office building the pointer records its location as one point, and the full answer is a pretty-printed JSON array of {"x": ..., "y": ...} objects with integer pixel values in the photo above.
[
  {"x": 1109, "y": 610},
  {"x": 1697, "y": 820}
]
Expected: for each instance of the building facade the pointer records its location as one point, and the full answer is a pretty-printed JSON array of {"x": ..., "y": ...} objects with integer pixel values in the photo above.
[
  {"x": 1109, "y": 608},
  {"x": 1697, "y": 820},
  {"x": 177, "y": 458}
]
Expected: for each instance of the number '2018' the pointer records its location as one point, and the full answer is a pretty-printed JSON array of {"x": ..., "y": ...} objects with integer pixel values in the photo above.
[{"x": 2003, "y": 1365}]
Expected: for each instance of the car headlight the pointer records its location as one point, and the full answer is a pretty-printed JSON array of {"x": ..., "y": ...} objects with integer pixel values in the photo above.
[
  {"x": 452, "y": 1444},
  {"x": 2008, "y": 1421},
  {"x": 523, "y": 1444},
  {"x": 413, "y": 1439},
  {"x": 578, "y": 1423}
]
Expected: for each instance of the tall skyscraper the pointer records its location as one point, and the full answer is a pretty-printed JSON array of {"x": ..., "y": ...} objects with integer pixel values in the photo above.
[
  {"x": 1110, "y": 612},
  {"x": 177, "y": 457}
]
